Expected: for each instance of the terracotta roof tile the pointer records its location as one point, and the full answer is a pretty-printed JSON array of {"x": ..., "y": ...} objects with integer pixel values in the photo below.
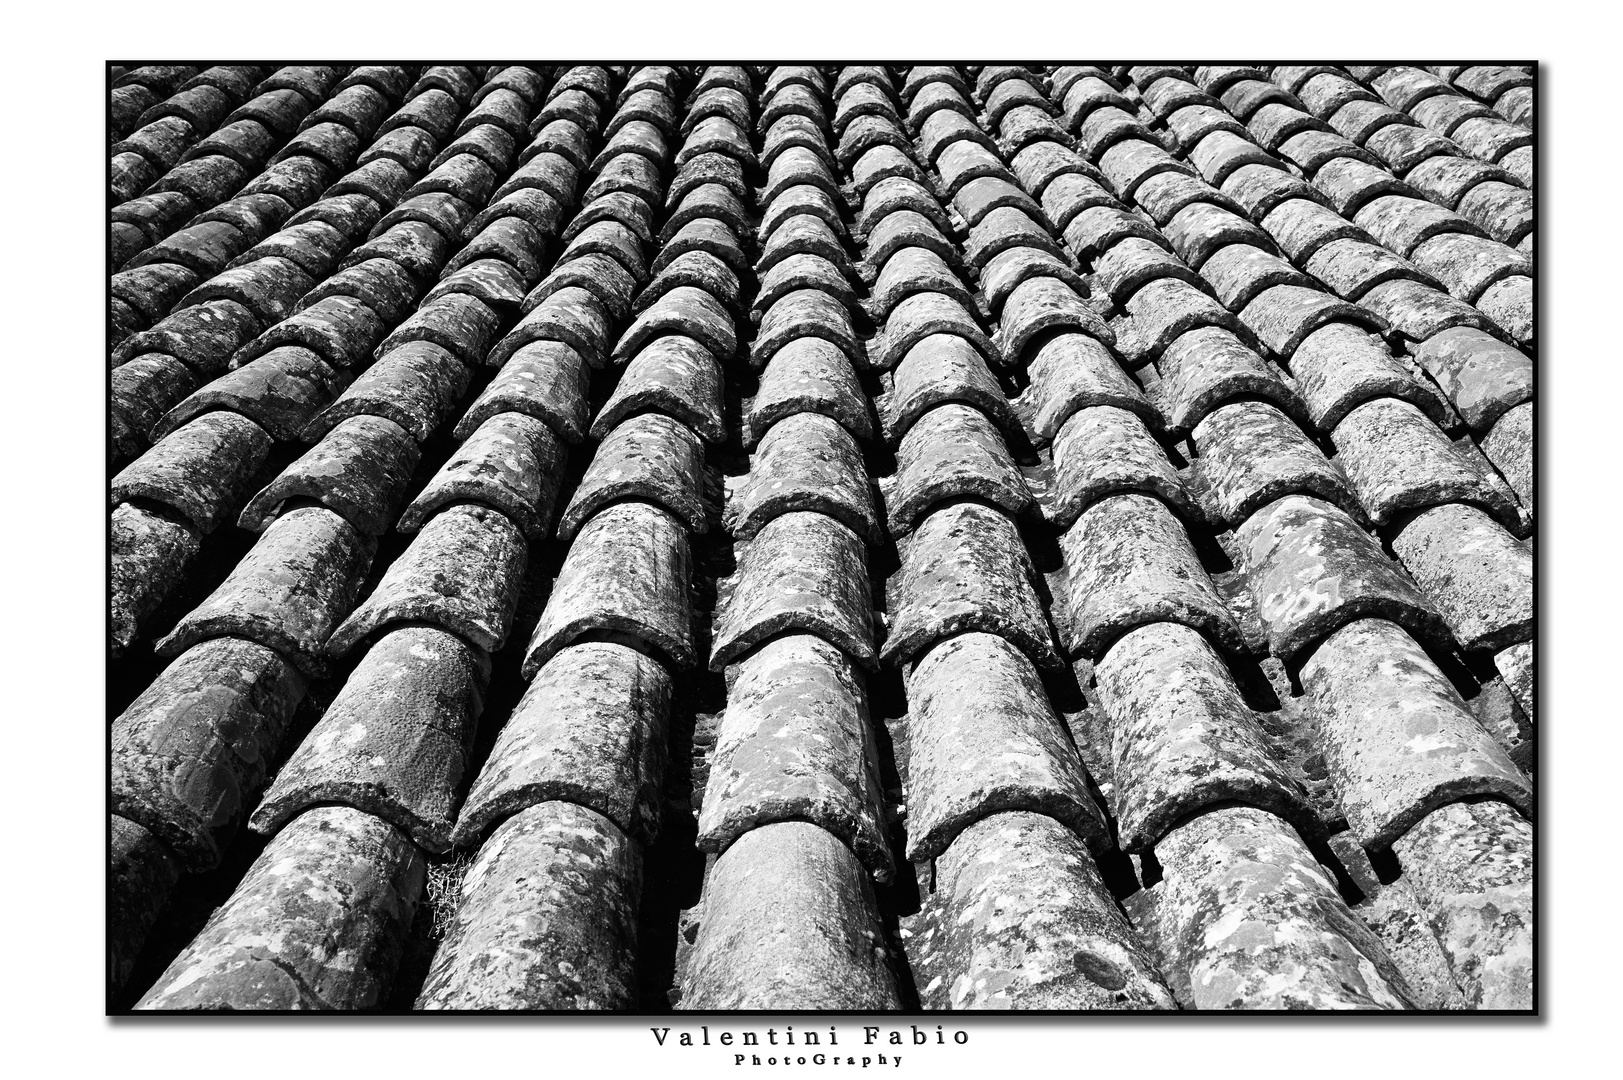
[{"x": 1189, "y": 381}]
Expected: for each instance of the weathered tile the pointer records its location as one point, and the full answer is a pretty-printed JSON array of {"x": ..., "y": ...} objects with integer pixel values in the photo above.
[
  {"x": 795, "y": 744},
  {"x": 1469, "y": 266},
  {"x": 1239, "y": 273},
  {"x": 190, "y": 753},
  {"x": 201, "y": 469},
  {"x": 1104, "y": 450},
  {"x": 965, "y": 568},
  {"x": 359, "y": 469},
  {"x": 1183, "y": 739},
  {"x": 951, "y": 452},
  {"x": 1261, "y": 186},
  {"x": 1251, "y": 454},
  {"x": 806, "y": 461},
  {"x": 457, "y": 322},
  {"x": 280, "y": 391},
  {"x": 150, "y": 555},
  {"x": 805, "y": 571},
  {"x": 591, "y": 730},
  {"x": 1207, "y": 366},
  {"x": 572, "y": 316},
  {"x": 1200, "y": 229},
  {"x": 909, "y": 272},
  {"x": 674, "y": 375},
  {"x": 1130, "y": 562},
  {"x": 141, "y": 872},
  {"x": 546, "y": 918},
  {"x": 900, "y": 229},
  {"x": 920, "y": 316},
  {"x": 650, "y": 457},
  {"x": 461, "y": 572},
  {"x": 1472, "y": 867},
  {"x": 940, "y": 369},
  {"x": 1509, "y": 445},
  {"x": 802, "y": 314},
  {"x": 1398, "y": 740},
  {"x": 511, "y": 462},
  {"x": 697, "y": 269},
  {"x": 288, "y": 593},
  {"x": 1516, "y": 665},
  {"x": 808, "y": 374},
  {"x": 787, "y": 920},
  {"x": 1503, "y": 210},
  {"x": 627, "y": 573},
  {"x": 1163, "y": 310},
  {"x": 1339, "y": 367},
  {"x": 381, "y": 284},
  {"x": 982, "y": 740},
  {"x": 202, "y": 336},
  {"x": 1351, "y": 267},
  {"x": 1509, "y": 303},
  {"x": 1398, "y": 460},
  {"x": 1248, "y": 920},
  {"x": 1311, "y": 570},
  {"x": 546, "y": 380},
  {"x": 1476, "y": 573},
  {"x": 1283, "y": 316},
  {"x": 395, "y": 740},
  {"x": 1038, "y": 307},
  {"x": 1071, "y": 372},
  {"x": 798, "y": 272},
  {"x": 318, "y": 923},
  {"x": 1022, "y": 920}
]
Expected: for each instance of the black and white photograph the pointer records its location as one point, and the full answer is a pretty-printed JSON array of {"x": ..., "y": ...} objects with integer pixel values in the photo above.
[
  {"x": 801, "y": 537},
  {"x": 957, "y": 539}
]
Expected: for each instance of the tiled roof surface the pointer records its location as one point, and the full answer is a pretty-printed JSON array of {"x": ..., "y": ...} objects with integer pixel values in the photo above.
[{"x": 821, "y": 537}]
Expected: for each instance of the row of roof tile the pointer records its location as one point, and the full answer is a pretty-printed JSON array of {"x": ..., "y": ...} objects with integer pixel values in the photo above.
[{"x": 1103, "y": 332}]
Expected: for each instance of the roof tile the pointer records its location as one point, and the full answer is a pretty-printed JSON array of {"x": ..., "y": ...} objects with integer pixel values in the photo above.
[
  {"x": 191, "y": 773},
  {"x": 1207, "y": 366},
  {"x": 950, "y": 452},
  {"x": 1073, "y": 371},
  {"x": 1130, "y": 562},
  {"x": 788, "y": 873},
  {"x": 1183, "y": 738},
  {"x": 966, "y": 569},
  {"x": 556, "y": 880},
  {"x": 414, "y": 385},
  {"x": 461, "y": 572},
  {"x": 1312, "y": 570},
  {"x": 1399, "y": 741},
  {"x": 395, "y": 740},
  {"x": 1461, "y": 855},
  {"x": 359, "y": 469},
  {"x": 291, "y": 887},
  {"x": 1235, "y": 870},
  {"x": 1480, "y": 578},
  {"x": 806, "y": 461},
  {"x": 812, "y": 375},
  {"x": 288, "y": 593},
  {"x": 1251, "y": 454},
  {"x": 150, "y": 553},
  {"x": 983, "y": 740},
  {"x": 646, "y": 599},
  {"x": 1102, "y": 451},
  {"x": 803, "y": 571},
  {"x": 674, "y": 375},
  {"x": 795, "y": 744}
]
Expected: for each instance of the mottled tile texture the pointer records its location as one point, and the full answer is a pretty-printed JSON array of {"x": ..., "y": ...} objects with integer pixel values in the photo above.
[{"x": 981, "y": 536}]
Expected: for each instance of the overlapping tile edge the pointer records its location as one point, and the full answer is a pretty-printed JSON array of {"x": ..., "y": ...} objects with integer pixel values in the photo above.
[{"x": 1191, "y": 407}]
